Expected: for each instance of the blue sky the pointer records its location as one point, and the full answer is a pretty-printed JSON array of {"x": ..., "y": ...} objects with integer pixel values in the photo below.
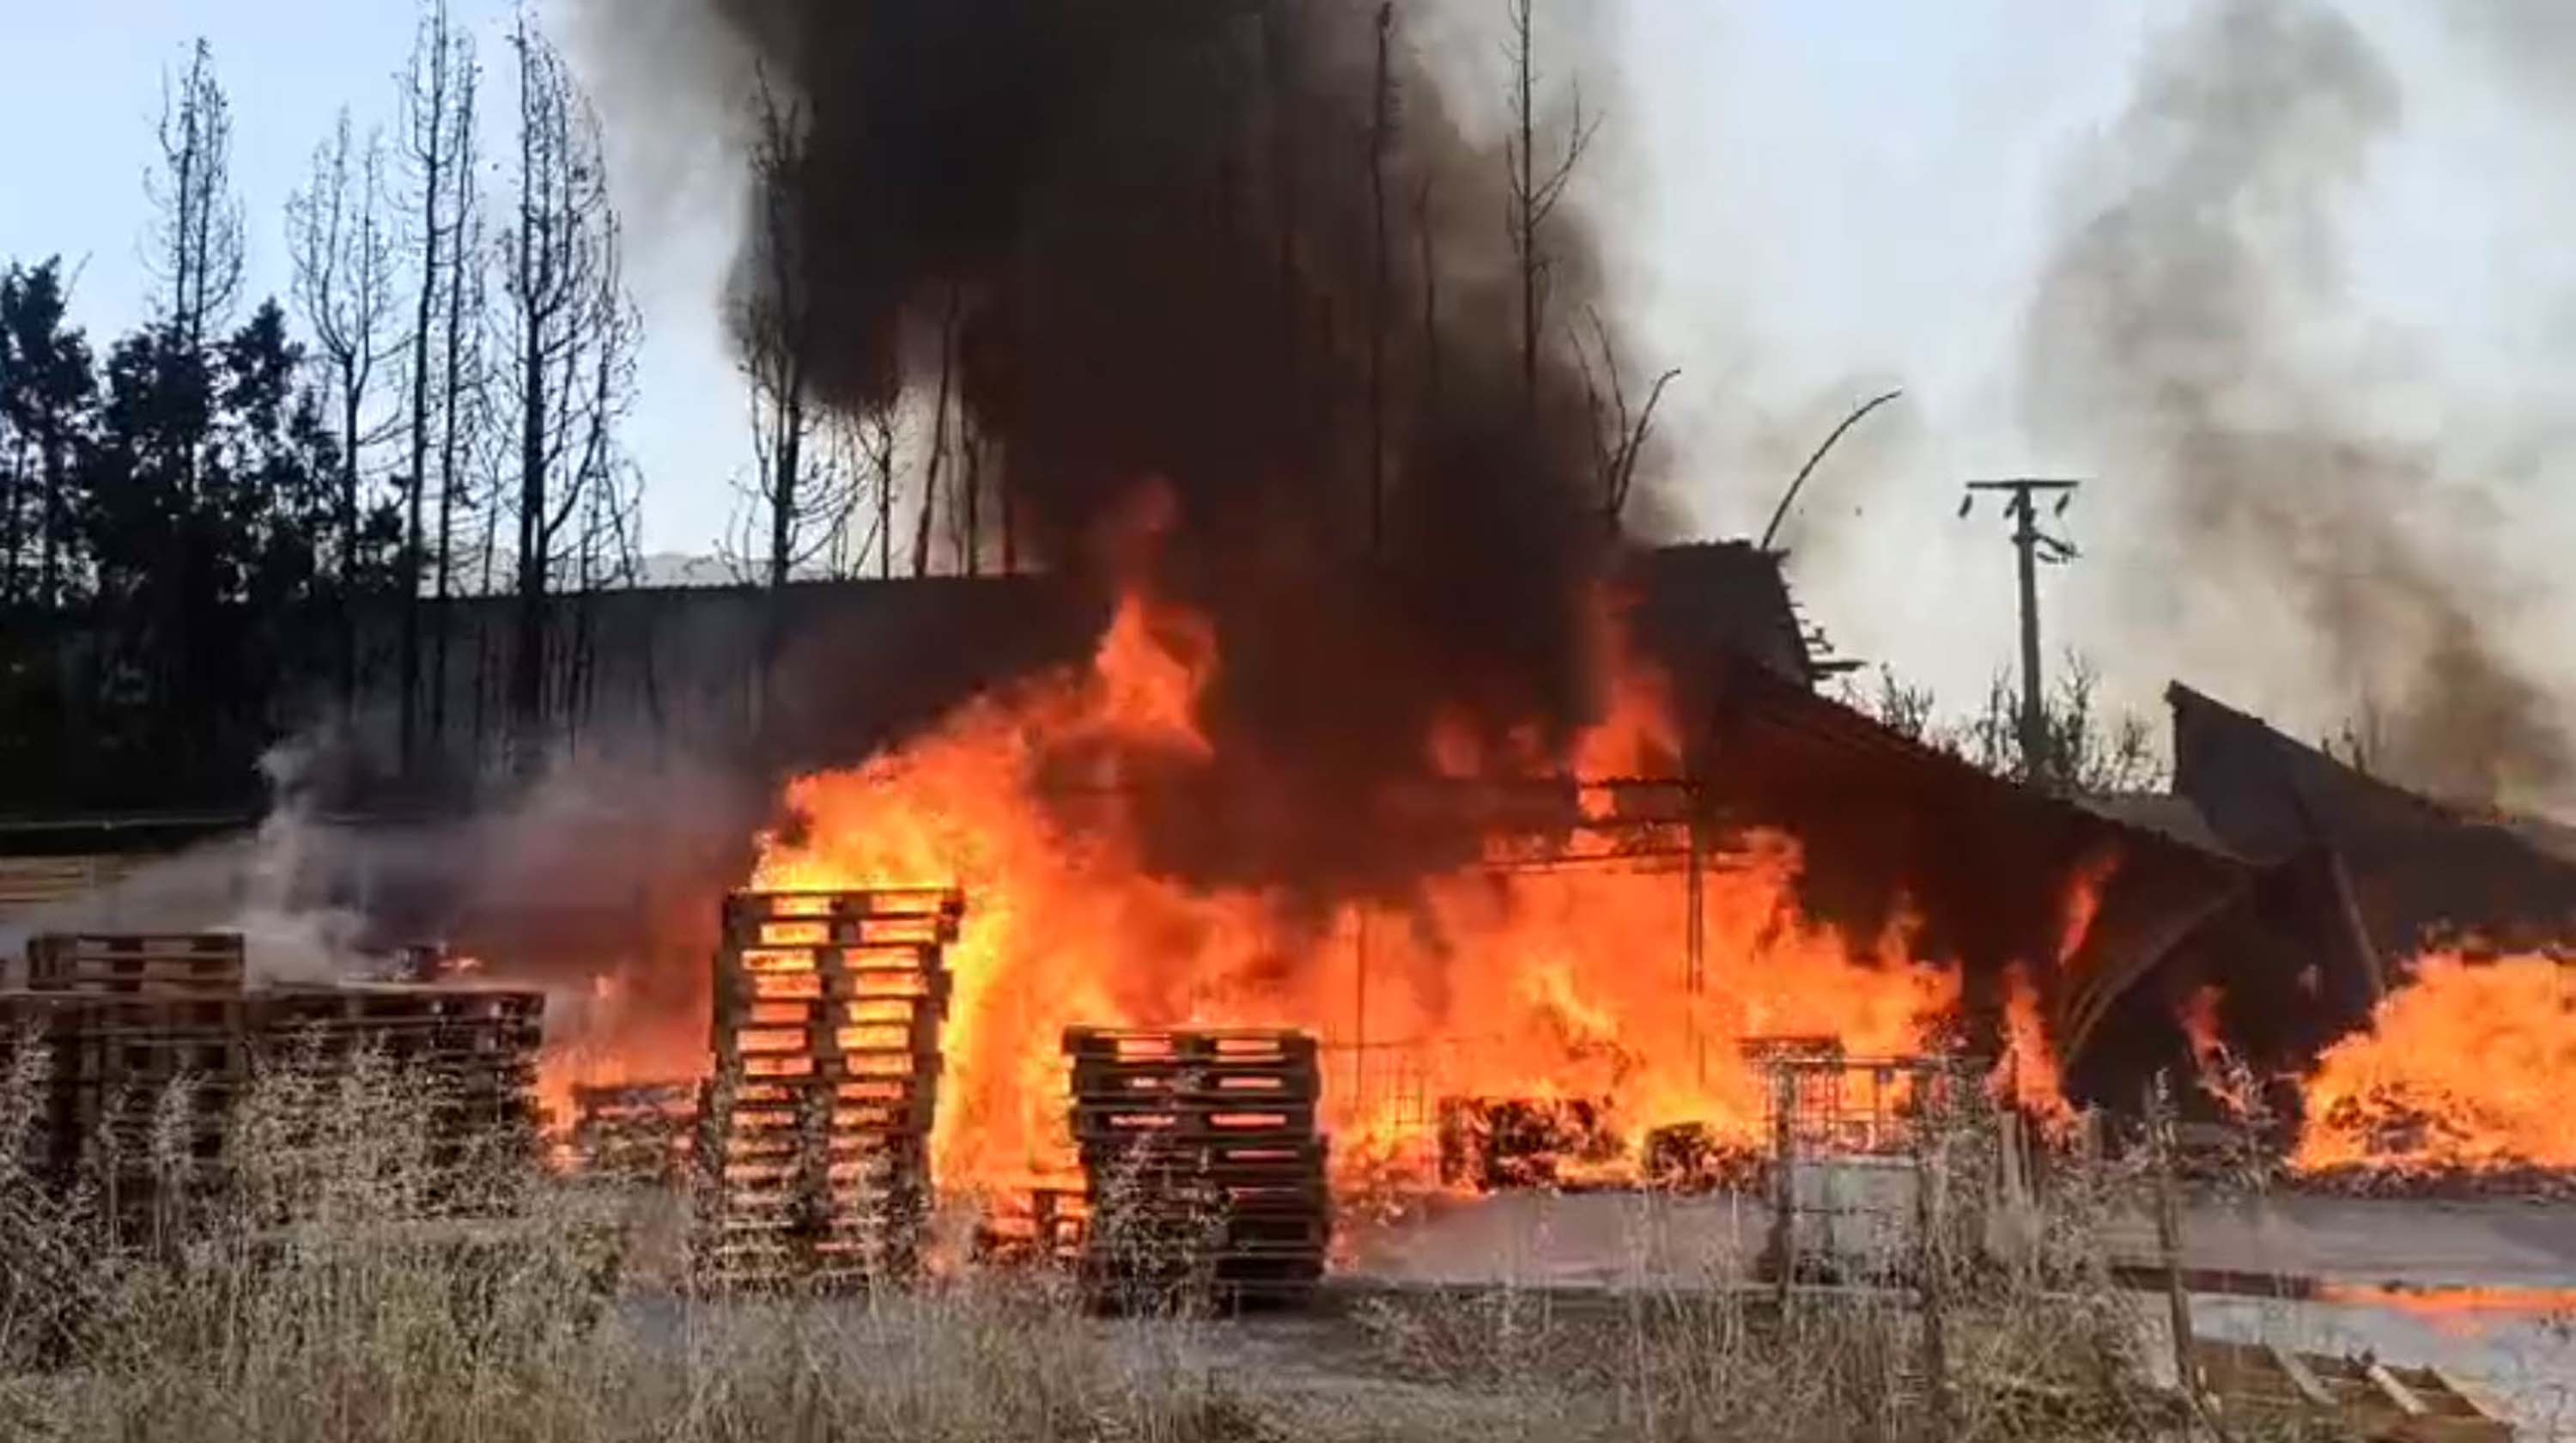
[{"x": 1812, "y": 197}]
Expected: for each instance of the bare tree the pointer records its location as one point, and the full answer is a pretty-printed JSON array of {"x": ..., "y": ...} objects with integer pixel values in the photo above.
[
  {"x": 571, "y": 334},
  {"x": 1381, "y": 135},
  {"x": 461, "y": 398},
  {"x": 773, "y": 322},
  {"x": 1426, "y": 240},
  {"x": 1535, "y": 192},
  {"x": 803, "y": 486},
  {"x": 1619, "y": 428},
  {"x": 343, "y": 254},
  {"x": 437, "y": 111},
  {"x": 878, "y": 443},
  {"x": 606, "y": 544},
  {"x": 196, "y": 247},
  {"x": 938, "y": 433}
]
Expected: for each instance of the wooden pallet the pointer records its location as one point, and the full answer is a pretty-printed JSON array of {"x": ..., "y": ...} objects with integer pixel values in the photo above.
[
  {"x": 2356, "y": 1398},
  {"x": 1174, "y": 1044},
  {"x": 855, "y": 902},
  {"x": 636, "y": 1131},
  {"x": 27, "y": 883},
  {"x": 1122, "y": 1120},
  {"x": 1205, "y": 1169},
  {"x": 814, "y": 1138},
  {"x": 208, "y": 963},
  {"x": 397, "y": 1004}
]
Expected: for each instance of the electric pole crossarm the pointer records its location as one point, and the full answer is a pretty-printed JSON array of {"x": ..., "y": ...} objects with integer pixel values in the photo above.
[{"x": 2031, "y": 546}]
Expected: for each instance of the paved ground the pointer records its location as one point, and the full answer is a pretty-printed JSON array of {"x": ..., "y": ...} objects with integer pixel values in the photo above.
[
  {"x": 1624, "y": 1237},
  {"x": 2500, "y": 1244},
  {"x": 2485, "y": 1290}
]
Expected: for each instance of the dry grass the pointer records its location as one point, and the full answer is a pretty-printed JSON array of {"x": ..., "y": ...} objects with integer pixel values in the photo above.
[{"x": 336, "y": 1275}]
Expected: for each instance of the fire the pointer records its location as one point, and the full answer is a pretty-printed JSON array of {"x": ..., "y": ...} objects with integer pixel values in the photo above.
[
  {"x": 2029, "y": 1074},
  {"x": 2464, "y": 1312},
  {"x": 2462, "y": 1070},
  {"x": 607, "y": 1036},
  {"x": 1495, "y": 979},
  {"x": 2221, "y": 1074}
]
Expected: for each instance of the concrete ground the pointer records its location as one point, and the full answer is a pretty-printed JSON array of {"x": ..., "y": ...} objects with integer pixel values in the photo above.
[
  {"x": 1612, "y": 1237},
  {"x": 2484, "y": 1290}
]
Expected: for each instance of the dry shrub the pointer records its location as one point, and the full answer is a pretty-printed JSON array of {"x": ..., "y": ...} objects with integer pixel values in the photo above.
[
  {"x": 346, "y": 1271},
  {"x": 349, "y": 1272},
  {"x": 2035, "y": 1342}
]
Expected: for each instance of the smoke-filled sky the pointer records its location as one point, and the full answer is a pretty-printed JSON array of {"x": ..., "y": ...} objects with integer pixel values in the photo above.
[{"x": 2034, "y": 216}]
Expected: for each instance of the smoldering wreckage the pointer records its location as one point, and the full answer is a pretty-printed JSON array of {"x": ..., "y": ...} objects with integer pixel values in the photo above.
[{"x": 1229, "y": 867}]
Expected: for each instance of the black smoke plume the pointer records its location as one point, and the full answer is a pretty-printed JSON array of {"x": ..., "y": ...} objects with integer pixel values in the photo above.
[
  {"x": 2183, "y": 335},
  {"x": 1149, "y": 227}
]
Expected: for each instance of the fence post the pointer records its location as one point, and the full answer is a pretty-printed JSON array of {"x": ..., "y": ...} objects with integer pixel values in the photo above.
[
  {"x": 1931, "y": 1258},
  {"x": 1784, "y": 1190}
]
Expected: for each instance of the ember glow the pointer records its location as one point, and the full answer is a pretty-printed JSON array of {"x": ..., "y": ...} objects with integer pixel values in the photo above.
[
  {"x": 1503, "y": 977},
  {"x": 2463, "y": 1070}
]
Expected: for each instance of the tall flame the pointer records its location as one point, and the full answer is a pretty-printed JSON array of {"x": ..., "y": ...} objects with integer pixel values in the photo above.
[
  {"x": 1488, "y": 980},
  {"x": 2464, "y": 1069}
]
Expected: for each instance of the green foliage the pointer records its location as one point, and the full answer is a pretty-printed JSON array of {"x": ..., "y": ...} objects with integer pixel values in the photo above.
[
  {"x": 2089, "y": 750},
  {"x": 170, "y": 554}
]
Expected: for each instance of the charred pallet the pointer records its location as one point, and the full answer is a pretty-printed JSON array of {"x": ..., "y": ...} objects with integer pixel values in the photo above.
[{"x": 1494, "y": 1144}]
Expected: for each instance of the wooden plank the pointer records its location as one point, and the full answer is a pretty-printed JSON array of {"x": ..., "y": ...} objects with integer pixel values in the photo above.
[
  {"x": 2310, "y": 1391},
  {"x": 2467, "y": 1396},
  {"x": 2395, "y": 1392}
]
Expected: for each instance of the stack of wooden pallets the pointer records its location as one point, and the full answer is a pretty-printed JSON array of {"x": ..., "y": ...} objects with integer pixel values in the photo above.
[
  {"x": 477, "y": 1045},
  {"x": 814, "y": 1136},
  {"x": 634, "y": 1131},
  {"x": 1039, "y": 1227},
  {"x": 124, "y": 1019},
  {"x": 1204, "y": 1164},
  {"x": 151, "y": 1037},
  {"x": 28, "y": 883},
  {"x": 192, "y": 964}
]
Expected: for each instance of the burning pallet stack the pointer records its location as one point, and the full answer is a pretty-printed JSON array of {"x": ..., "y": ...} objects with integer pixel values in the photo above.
[
  {"x": 1494, "y": 1144},
  {"x": 635, "y": 1131},
  {"x": 814, "y": 1134},
  {"x": 1205, "y": 1168}
]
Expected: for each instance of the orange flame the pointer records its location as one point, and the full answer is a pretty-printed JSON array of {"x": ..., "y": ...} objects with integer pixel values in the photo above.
[
  {"x": 2465, "y": 1069},
  {"x": 2028, "y": 1073},
  {"x": 1488, "y": 981},
  {"x": 2214, "y": 1064}
]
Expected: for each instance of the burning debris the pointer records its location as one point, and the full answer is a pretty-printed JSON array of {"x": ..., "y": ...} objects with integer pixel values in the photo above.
[
  {"x": 635, "y": 1132},
  {"x": 2462, "y": 1075},
  {"x": 1491, "y": 1143}
]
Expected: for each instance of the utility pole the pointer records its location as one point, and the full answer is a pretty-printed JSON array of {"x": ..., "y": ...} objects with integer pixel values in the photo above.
[{"x": 2032, "y": 546}]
